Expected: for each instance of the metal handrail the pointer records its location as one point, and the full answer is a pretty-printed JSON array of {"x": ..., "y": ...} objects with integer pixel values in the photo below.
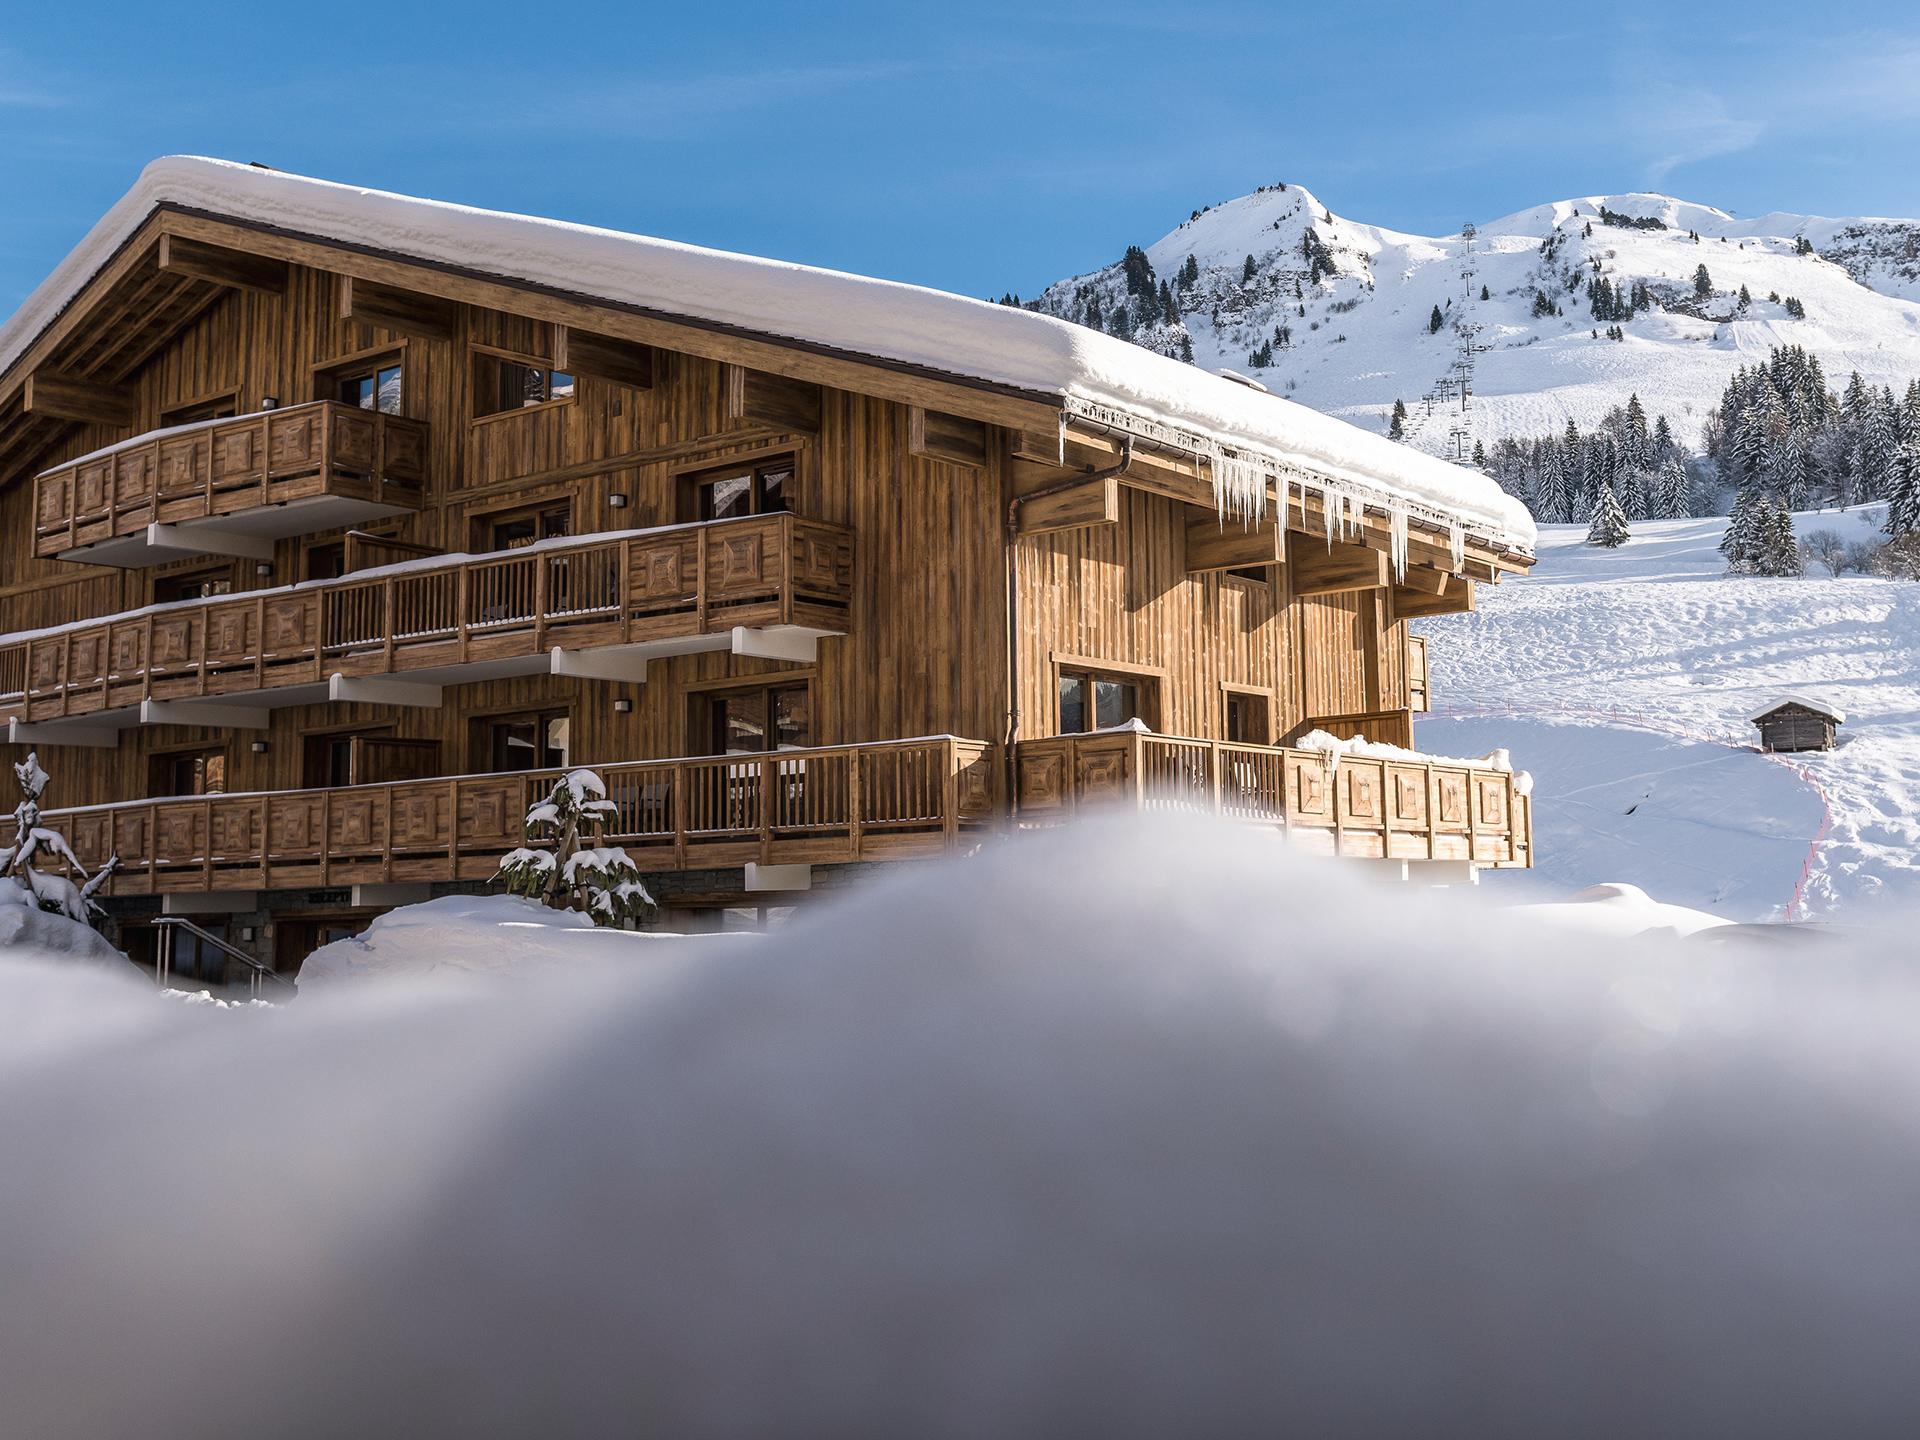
[{"x": 169, "y": 925}]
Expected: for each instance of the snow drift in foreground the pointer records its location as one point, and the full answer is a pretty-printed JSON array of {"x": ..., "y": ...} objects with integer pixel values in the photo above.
[{"x": 1113, "y": 1133}]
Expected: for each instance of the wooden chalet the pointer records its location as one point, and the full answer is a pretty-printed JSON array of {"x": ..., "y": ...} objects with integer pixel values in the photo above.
[{"x": 337, "y": 522}]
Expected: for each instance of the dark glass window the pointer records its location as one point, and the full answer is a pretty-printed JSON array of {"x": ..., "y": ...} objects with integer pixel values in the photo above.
[
  {"x": 379, "y": 388},
  {"x": 327, "y": 561},
  {"x": 763, "y": 489},
  {"x": 189, "y": 772},
  {"x": 194, "y": 585},
  {"x": 750, "y": 721},
  {"x": 538, "y": 741},
  {"x": 1247, "y": 719},
  {"x": 502, "y": 385},
  {"x": 220, "y": 407},
  {"x": 522, "y": 527},
  {"x": 1097, "y": 702}
]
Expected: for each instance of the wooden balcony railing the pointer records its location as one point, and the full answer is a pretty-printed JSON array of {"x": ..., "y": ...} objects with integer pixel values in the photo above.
[
  {"x": 1376, "y": 809},
  {"x": 1381, "y": 727},
  {"x": 1419, "y": 680},
  {"x": 670, "y": 583},
  {"x": 227, "y": 467},
  {"x": 830, "y": 805}
]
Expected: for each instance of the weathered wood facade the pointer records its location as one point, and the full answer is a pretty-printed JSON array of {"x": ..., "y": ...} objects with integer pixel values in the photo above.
[{"x": 323, "y": 538}]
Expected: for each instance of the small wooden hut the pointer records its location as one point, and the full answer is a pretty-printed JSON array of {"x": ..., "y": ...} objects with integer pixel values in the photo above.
[{"x": 1795, "y": 722}]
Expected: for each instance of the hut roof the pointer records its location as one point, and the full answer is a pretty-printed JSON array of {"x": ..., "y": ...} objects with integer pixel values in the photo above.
[{"x": 1805, "y": 702}]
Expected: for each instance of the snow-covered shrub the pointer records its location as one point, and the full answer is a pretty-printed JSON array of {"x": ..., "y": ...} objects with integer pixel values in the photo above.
[
  {"x": 573, "y": 874},
  {"x": 55, "y": 894}
]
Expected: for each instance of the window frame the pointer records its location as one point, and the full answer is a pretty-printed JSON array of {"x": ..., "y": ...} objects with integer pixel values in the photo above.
[
  {"x": 480, "y": 356},
  {"x": 191, "y": 412},
  {"x": 481, "y": 737},
  {"x": 1263, "y": 696},
  {"x": 694, "y": 485},
  {"x": 165, "y": 579},
  {"x": 172, "y": 755},
  {"x": 704, "y": 706},
  {"x": 482, "y": 523}
]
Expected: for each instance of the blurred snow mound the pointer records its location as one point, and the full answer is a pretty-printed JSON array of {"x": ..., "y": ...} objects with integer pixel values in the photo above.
[{"x": 1123, "y": 1131}]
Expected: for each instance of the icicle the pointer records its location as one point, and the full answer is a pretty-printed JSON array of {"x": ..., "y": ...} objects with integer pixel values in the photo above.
[
  {"x": 1457, "y": 545},
  {"x": 1333, "y": 505},
  {"x": 1397, "y": 539},
  {"x": 1239, "y": 487}
]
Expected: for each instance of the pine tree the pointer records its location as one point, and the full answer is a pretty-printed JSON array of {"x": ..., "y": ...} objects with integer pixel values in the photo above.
[
  {"x": 575, "y": 875},
  {"x": 1397, "y": 426},
  {"x": 1435, "y": 321},
  {"x": 1609, "y": 527},
  {"x": 1783, "y": 557},
  {"x": 1247, "y": 271},
  {"x": 1702, "y": 282},
  {"x": 1670, "y": 490},
  {"x": 1483, "y": 293},
  {"x": 1744, "y": 543}
]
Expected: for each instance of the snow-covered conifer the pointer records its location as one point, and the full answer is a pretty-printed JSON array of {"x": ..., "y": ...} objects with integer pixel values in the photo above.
[
  {"x": 1609, "y": 527},
  {"x": 575, "y": 874},
  {"x": 56, "y": 894}
]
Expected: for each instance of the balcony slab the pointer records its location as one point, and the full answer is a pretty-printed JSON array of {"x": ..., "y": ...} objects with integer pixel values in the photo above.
[{"x": 245, "y": 535}]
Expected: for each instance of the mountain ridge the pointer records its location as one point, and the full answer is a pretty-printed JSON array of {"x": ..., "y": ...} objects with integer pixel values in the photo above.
[{"x": 1340, "y": 314}]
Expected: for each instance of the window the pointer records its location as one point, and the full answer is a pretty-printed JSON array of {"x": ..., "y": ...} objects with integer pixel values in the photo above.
[
  {"x": 1247, "y": 719},
  {"x": 379, "y": 386},
  {"x": 325, "y": 561},
  {"x": 762, "y": 488},
  {"x": 188, "y": 772},
  {"x": 194, "y": 584},
  {"x": 217, "y": 407},
  {"x": 534, "y": 741},
  {"x": 502, "y": 385},
  {"x": 753, "y": 719},
  {"x": 511, "y": 529},
  {"x": 1090, "y": 701}
]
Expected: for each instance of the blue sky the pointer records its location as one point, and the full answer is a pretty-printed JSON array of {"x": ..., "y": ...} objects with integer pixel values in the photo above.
[{"x": 976, "y": 148}]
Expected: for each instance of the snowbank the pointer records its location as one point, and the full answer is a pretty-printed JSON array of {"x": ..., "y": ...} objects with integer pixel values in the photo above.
[
  {"x": 1117, "y": 1132},
  {"x": 1622, "y": 911},
  {"x": 28, "y": 932},
  {"x": 1087, "y": 371},
  {"x": 473, "y": 935}
]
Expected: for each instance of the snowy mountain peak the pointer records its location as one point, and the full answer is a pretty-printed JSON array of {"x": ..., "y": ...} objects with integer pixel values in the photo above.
[{"x": 1552, "y": 313}]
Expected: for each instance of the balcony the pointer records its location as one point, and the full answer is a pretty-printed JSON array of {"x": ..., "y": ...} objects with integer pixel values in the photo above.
[
  {"x": 832, "y": 805},
  {"x": 598, "y": 607},
  {"x": 230, "y": 487},
  {"x": 1413, "y": 810}
]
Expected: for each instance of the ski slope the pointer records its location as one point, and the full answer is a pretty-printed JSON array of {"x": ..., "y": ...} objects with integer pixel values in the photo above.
[{"x": 1623, "y": 681}]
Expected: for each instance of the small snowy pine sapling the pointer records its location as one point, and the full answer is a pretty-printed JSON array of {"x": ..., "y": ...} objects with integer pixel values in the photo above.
[
  {"x": 1609, "y": 527},
  {"x": 55, "y": 894},
  {"x": 600, "y": 880}
]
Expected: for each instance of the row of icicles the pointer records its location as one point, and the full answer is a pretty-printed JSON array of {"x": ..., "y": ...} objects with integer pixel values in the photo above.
[{"x": 1240, "y": 491}]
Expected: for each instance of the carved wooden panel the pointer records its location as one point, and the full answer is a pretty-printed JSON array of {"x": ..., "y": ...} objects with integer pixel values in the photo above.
[
  {"x": 54, "y": 500},
  {"x": 230, "y": 632},
  {"x": 290, "y": 624},
  {"x": 1492, "y": 794},
  {"x": 822, "y": 562},
  {"x": 236, "y": 830},
  {"x": 420, "y": 818},
  {"x": 1043, "y": 776},
  {"x": 90, "y": 484},
  {"x": 353, "y": 441},
  {"x": 129, "y": 648},
  {"x": 975, "y": 788},
  {"x": 1312, "y": 799},
  {"x": 1100, "y": 775},
  {"x": 358, "y": 821},
  {"x": 1450, "y": 792},
  {"x": 131, "y": 837},
  {"x": 663, "y": 572},
  {"x": 1409, "y": 796},
  {"x": 404, "y": 454},
  {"x": 738, "y": 562},
  {"x": 182, "y": 466},
  {"x": 236, "y": 453},
  {"x": 133, "y": 474},
  {"x": 293, "y": 827},
  {"x": 1360, "y": 787},
  {"x": 293, "y": 439},
  {"x": 47, "y": 664},
  {"x": 179, "y": 834},
  {"x": 175, "y": 639},
  {"x": 89, "y": 663},
  {"x": 490, "y": 812}
]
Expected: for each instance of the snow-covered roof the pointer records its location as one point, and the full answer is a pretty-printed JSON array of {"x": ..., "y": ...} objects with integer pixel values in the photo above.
[
  {"x": 1806, "y": 702},
  {"x": 1090, "y": 374}
]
